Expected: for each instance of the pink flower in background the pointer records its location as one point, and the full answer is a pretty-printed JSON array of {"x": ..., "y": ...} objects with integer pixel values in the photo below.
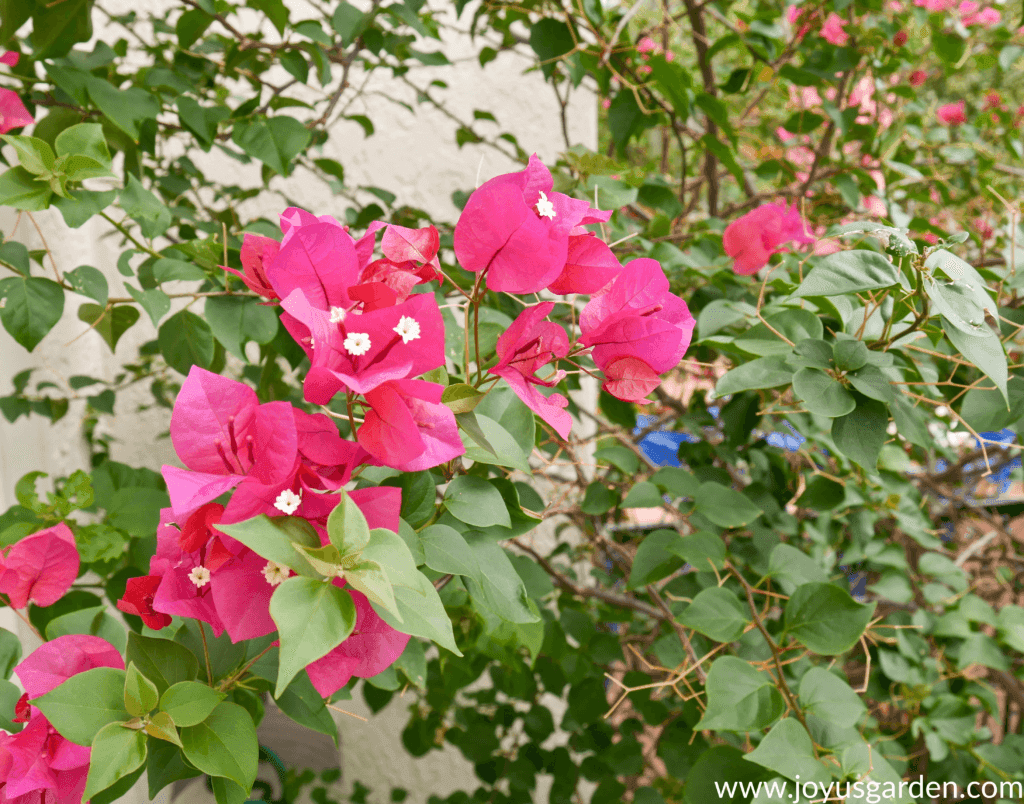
[
  {"x": 917, "y": 77},
  {"x": 971, "y": 13},
  {"x": 823, "y": 247},
  {"x": 900, "y": 38},
  {"x": 646, "y": 45},
  {"x": 529, "y": 344},
  {"x": 832, "y": 30},
  {"x": 751, "y": 239},
  {"x": 38, "y": 765},
  {"x": 516, "y": 228},
  {"x": 13, "y": 113},
  {"x": 54, "y": 662},
  {"x": 39, "y": 567},
  {"x": 952, "y": 114},
  {"x": 875, "y": 206},
  {"x": 257, "y": 252},
  {"x": 371, "y": 649},
  {"x": 936, "y": 5}
]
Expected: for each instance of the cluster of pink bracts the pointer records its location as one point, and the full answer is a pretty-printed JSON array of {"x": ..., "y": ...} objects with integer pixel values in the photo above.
[{"x": 368, "y": 336}]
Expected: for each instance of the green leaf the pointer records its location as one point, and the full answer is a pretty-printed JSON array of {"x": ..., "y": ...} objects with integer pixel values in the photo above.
[
  {"x": 162, "y": 727},
  {"x": 701, "y": 550},
  {"x": 34, "y": 155},
  {"x": 795, "y": 324},
  {"x": 347, "y": 528},
  {"x": 21, "y": 190},
  {"x": 163, "y": 662},
  {"x": 140, "y": 694},
  {"x": 792, "y": 568},
  {"x": 787, "y": 750},
  {"x": 165, "y": 765},
  {"x": 276, "y": 539},
  {"x": 189, "y": 703},
  {"x": 873, "y": 383},
  {"x": 822, "y": 394},
  {"x": 597, "y": 499},
  {"x": 389, "y": 550},
  {"x": 83, "y": 206},
  {"x": 312, "y": 618},
  {"x": 849, "y": 272},
  {"x": 112, "y": 323},
  {"x": 860, "y": 434},
  {"x": 10, "y": 652},
  {"x": 445, "y": 550},
  {"x": 96, "y": 621},
  {"x": 167, "y": 269},
  {"x": 275, "y": 142},
  {"x": 984, "y": 350},
  {"x": 349, "y": 22},
  {"x": 85, "y": 703},
  {"x": 461, "y": 398},
  {"x": 236, "y": 320},
  {"x": 30, "y": 307},
  {"x": 89, "y": 282},
  {"x": 201, "y": 120},
  {"x": 15, "y": 256},
  {"x": 127, "y": 108},
  {"x": 155, "y": 302},
  {"x": 186, "y": 340},
  {"x": 550, "y": 39},
  {"x": 144, "y": 208},
  {"x": 476, "y": 502},
  {"x": 56, "y": 28},
  {"x": 716, "y": 613},
  {"x": 413, "y": 664},
  {"x": 676, "y": 482},
  {"x": 224, "y": 744},
  {"x": 822, "y": 494},
  {"x": 643, "y": 495},
  {"x": 826, "y": 619},
  {"x": 303, "y": 704},
  {"x": 655, "y": 559},
  {"x": 497, "y": 581},
  {"x": 830, "y": 697},
  {"x": 84, "y": 139},
  {"x": 423, "y": 615},
  {"x": 765, "y": 372},
  {"x": 725, "y": 507},
  {"x": 116, "y": 752},
  {"x": 740, "y": 698}
]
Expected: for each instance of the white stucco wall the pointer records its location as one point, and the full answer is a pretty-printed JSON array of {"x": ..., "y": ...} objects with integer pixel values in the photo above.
[{"x": 412, "y": 155}]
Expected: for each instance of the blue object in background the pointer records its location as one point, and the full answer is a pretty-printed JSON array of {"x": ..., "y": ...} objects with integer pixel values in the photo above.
[{"x": 661, "y": 446}]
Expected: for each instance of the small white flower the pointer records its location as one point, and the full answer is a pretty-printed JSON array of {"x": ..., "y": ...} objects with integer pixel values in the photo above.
[
  {"x": 891, "y": 429},
  {"x": 287, "y": 501},
  {"x": 545, "y": 208},
  {"x": 357, "y": 343},
  {"x": 337, "y": 315},
  {"x": 942, "y": 411},
  {"x": 408, "y": 328},
  {"x": 275, "y": 573},
  {"x": 200, "y": 576}
]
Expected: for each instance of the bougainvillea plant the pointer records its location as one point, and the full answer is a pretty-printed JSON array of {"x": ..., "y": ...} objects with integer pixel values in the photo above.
[{"x": 776, "y": 545}]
